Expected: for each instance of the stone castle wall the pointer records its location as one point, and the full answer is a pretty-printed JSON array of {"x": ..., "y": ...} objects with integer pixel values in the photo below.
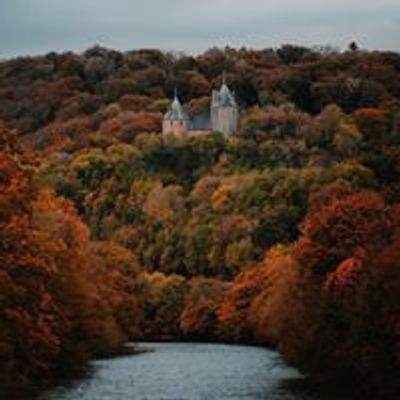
[
  {"x": 225, "y": 119},
  {"x": 178, "y": 129}
]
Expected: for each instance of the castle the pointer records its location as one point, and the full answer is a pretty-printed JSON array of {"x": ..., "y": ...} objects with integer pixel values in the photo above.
[{"x": 224, "y": 116}]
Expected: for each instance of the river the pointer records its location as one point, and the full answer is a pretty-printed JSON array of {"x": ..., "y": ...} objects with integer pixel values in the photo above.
[{"x": 188, "y": 371}]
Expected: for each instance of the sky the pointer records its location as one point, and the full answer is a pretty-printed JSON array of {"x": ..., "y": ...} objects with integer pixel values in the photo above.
[{"x": 40, "y": 26}]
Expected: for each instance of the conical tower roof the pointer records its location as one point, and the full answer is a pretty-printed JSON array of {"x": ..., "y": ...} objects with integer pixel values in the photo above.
[
  {"x": 176, "y": 111},
  {"x": 224, "y": 97}
]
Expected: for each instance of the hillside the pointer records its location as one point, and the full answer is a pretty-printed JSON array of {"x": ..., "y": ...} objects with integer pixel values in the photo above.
[{"x": 284, "y": 234}]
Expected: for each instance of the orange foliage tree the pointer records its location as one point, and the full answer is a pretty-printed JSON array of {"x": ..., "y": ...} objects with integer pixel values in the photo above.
[
  {"x": 60, "y": 300},
  {"x": 234, "y": 311},
  {"x": 199, "y": 317}
]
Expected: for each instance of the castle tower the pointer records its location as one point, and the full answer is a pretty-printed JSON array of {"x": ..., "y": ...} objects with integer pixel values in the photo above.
[
  {"x": 224, "y": 111},
  {"x": 176, "y": 121}
]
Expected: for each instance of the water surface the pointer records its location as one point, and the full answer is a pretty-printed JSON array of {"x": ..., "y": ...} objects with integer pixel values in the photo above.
[{"x": 187, "y": 371}]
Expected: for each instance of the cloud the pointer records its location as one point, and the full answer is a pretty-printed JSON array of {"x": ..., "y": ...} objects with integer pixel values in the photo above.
[{"x": 34, "y": 26}]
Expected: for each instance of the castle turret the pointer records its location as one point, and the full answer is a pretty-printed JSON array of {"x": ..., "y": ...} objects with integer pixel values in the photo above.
[
  {"x": 224, "y": 111},
  {"x": 176, "y": 121}
]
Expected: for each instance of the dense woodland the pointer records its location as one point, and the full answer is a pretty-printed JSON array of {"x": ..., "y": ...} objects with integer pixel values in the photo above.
[{"x": 286, "y": 234}]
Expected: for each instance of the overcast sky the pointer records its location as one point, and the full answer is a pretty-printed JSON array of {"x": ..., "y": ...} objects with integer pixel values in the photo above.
[{"x": 39, "y": 26}]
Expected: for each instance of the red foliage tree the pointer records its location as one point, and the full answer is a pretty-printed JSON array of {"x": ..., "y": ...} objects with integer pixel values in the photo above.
[{"x": 336, "y": 230}]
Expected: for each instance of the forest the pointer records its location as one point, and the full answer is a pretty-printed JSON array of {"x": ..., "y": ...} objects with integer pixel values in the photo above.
[{"x": 286, "y": 234}]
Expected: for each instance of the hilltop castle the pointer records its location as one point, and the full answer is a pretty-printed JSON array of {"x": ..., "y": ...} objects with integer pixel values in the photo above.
[{"x": 224, "y": 116}]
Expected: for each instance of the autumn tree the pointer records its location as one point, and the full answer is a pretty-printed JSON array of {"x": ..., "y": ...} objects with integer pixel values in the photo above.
[
  {"x": 61, "y": 303},
  {"x": 199, "y": 317}
]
